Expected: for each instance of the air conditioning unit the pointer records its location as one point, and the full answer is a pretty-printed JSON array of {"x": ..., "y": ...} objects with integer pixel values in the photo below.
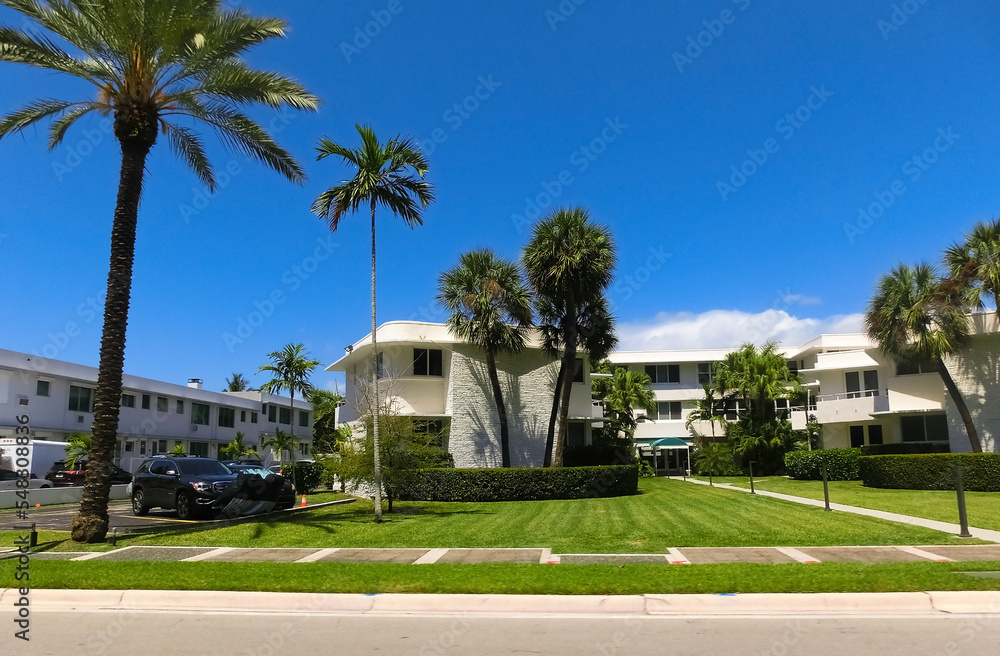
[
  {"x": 22, "y": 400},
  {"x": 79, "y": 419},
  {"x": 194, "y": 428}
]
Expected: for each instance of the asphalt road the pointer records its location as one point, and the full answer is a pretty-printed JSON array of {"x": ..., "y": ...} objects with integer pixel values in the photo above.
[
  {"x": 59, "y": 518},
  {"x": 157, "y": 632}
]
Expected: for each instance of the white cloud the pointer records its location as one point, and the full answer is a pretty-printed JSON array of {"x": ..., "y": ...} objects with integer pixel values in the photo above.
[{"x": 728, "y": 329}]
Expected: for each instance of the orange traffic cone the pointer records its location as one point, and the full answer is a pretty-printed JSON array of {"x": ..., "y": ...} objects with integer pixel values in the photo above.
[{"x": 303, "y": 501}]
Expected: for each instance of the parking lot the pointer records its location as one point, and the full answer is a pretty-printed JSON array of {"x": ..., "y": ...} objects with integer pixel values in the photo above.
[{"x": 59, "y": 518}]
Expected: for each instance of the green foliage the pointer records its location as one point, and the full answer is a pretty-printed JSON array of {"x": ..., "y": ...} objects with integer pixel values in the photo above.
[
  {"x": 77, "y": 448},
  {"x": 645, "y": 469},
  {"x": 178, "y": 450},
  {"x": 595, "y": 456},
  {"x": 757, "y": 377},
  {"x": 901, "y": 448},
  {"x": 282, "y": 442},
  {"x": 524, "y": 484},
  {"x": 625, "y": 391},
  {"x": 715, "y": 459},
  {"x": 975, "y": 264},
  {"x": 841, "y": 464},
  {"x": 237, "y": 383},
  {"x": 327, "y": 438},
  {"x": 307, "y": 475},
  {"x": 765, "y": 442},
  {"x": 234, "y": 449},
  {"x": 932, "y": 471}
]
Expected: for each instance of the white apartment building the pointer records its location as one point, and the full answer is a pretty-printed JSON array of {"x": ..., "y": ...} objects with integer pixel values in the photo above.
[
  {"x": 154, "y": 417},
  {"x": 427, "y": 374}
]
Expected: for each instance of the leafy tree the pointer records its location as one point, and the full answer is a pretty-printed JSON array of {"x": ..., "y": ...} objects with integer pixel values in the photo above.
[
  {"x": 290, "y": 369},
  {"x": 77, "y": 447},
  {"x": 236, "y": 448},
  {"x": 382, "y": 176},
  {"x": 178, "y": 450},
  {"x": 152, "y": 62},
  {"x": 975, "y": 265},
  {"x": 915, "y": 315},
  {"x": 713, "y": 459},
  {"x": 237, "y": 384},
  {"x": 569, "y": 262},
  {"x": 326, "y": 435},
  {"x": 623, "y": 393},
  {"x": 490, "y": 308}
]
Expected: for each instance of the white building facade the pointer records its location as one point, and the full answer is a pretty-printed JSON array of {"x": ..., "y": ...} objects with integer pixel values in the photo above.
[{"x": 154, "y": 417}]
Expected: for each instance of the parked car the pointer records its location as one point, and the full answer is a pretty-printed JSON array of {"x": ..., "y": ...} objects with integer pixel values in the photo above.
[
  {"x": 189, "y": 485},
  {"x": 287, "y": 497},
  {"x": 8, "y": 481},
  {"x": 61, "y": 474}
]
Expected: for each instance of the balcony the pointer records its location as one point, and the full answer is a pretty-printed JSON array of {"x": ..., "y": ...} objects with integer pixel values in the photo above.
[{"x": 850, "y": 406}]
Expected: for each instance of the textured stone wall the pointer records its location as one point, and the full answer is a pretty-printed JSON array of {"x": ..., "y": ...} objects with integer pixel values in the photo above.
[
  {"x": 976, "y": 371},
  {"x": 528, "y": 381}
]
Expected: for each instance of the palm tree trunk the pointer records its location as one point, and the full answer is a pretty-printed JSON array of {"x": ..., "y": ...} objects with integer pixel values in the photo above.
[
  {"x": 569, "y": 366},
  {"x": 91, "y": 525},
  {"x": 963, "y": 409},
  {"x": 550, "y": 437},
  {"x": 491, "y": 364},
  {"x": 376, "y": 400}
]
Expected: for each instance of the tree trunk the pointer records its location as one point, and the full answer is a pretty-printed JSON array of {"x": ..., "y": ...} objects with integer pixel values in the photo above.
[
  {"x": 376, "y": 401},
  {"x": 963, "y": 409},
  {"x": 91, "y": 524},
  {"x": 491, "y": 364},
  {"x": 291, "y": 427},
  {"x": 569, "y": 367},
  {"x": 550, "y": 437}
]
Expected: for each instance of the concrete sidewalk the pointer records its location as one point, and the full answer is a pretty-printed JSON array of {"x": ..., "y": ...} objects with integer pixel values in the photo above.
[
  {"x": 944, "y": 527},
  {"x": 883, "y": 604}
]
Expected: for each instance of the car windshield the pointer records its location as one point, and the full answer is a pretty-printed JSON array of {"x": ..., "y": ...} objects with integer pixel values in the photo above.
[{"x": 202, "y": 467}]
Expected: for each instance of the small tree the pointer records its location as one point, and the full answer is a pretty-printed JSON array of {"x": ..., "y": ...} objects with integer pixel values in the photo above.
[
  {"x": 237, "y": 383},
  {"x": 714, "y": 458},
  {"x": 178, "y": 450},
  {"x": 236, "y": 448},
  {"x": 280, "y": 443}
]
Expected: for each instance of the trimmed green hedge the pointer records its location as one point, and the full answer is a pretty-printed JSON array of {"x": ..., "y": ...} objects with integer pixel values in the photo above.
[
  {"x": 596, "y": 456},
  {"x": 308, "y": 475},
  {"x": 524, "y": 484},
  {"x": 901, "y": 448},
  {"x": 841, "y": 464},
  {"x": 932, "y": 471}
]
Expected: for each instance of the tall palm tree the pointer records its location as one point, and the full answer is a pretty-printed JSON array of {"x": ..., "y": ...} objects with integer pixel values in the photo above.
[
  {"x": 290, "y": 369},
  {"x": 151, "y": 62},
  {"x": 490, "y": 308},
  {"x": 383, "y": 175},
  {"x": 238, "y": 383},
  {"x": 757, "y": 376},
  {"x": 626, "y": 391},
  {"x": 975, "y": 265},
  {"x": 913, "y": 315},
  {"x": 280, "y": 443},
  {"x": 569, "y": 261}
]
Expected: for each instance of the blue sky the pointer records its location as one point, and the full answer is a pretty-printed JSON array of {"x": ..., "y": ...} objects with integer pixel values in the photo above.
[{"x": 730, "y": 145}]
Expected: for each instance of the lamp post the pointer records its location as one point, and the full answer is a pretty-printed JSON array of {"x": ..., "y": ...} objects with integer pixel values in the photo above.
[{"x": 751, "y": 477}]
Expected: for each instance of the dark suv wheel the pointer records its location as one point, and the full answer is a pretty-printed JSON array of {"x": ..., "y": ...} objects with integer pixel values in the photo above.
[
  {"x": 186, "y": 508},
  {"x": 139, "y": 507}
]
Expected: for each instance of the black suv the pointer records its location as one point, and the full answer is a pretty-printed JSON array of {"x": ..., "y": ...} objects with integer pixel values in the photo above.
[{"x": 185, "y": 484}]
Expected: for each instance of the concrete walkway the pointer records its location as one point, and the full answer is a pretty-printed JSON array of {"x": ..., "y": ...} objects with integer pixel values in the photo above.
[{"x": 945, "y": 527}]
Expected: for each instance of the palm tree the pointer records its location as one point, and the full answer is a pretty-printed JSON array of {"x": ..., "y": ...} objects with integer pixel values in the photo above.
[
  {"x": 280, "y": 443},
  {"x": 713, "y": 458},
  {"x": 975, "y": 265},
  {"x": 290, "y": 369},
  {"x": 708, "y": 408},
  {"x": 382, "y": 177},
  {"x": 236, "y": 448},
  {"x": 149, "y": 61},
  {"x": 756, "y": 376},
  {"x": 325, "y": 403},
  {"x": 77, "y": 447},
  {"x": 238, "y": 383},
  {"x": 626, "y": 391},
  {"x": 569, "y": 261},
  {"x": 913, "y": 315},
  {"x": 490, "y": 308}
]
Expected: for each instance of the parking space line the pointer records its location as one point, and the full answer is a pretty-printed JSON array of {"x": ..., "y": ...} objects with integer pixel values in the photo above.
[
  {"x": 797, "y": 555},
  {"x": 430, "y": 557},
  {"x": 206, "y": 555},
  {"x": 677, "y": 558},
  {"x": 318, "y": 555},
  {"x": 925, "y": 554},
  {"x": 98, "y": 554}
]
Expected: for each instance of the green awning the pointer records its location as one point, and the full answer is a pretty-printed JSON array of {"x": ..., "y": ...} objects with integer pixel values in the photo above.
[{"x": 664, "y": 442}]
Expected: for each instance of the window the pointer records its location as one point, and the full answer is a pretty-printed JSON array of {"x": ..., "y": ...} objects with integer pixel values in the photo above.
[
  {"x": 253, "y": 417},
  {"x": 161, "y": 404},
  {"x": 664, "y": 373},
  {"x": 578, "y": 370},
  {"x": 428, "y": 426},
  {"x": 180, "y": 407},
  {"x": 162, "y": 444},
  {"x": 227, "y": 417},
  {"x": 303, "y": 448},
  {"x": 852, "y": 380},
  {"x": 303, "y": 419},
  {"x": 908, "y": 367},
  {"x": 668, "y": 410},
  {"x": 875, "y": 434},
  {"x": 145, "y": 401},
  {"x": 199, "y": 414},
  {"x": 142, "y": 448},
  {"x": 285, "y": 416},
  {"x": 243, "y": 416},
  {"x": 42, "y": 388},
  {"x": 272, "y": 413},
  {"x": 793, "y": 366},
  {"x": 198, "y": 449},
  {"x": 576, "y": 434},
  {"x": 706, "y": 373},
  {"x": 129, "y": 447},
  {"x": 378, "y": 366},
  {"x": 857, "y": 436},
  {"x": 426, "y": 362},
  {"x": 81, "y": 399},
  {"x": 128, "y": 400},
  {"x": 924, "y": 428}
]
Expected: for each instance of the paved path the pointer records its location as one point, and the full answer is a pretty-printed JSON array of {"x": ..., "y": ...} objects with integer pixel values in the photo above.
[{"x": 945, "y": 527}]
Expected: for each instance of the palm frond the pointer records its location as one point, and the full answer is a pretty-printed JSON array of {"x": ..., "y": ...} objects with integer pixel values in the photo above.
[
  {"x": 189, "y": 147},
  {"x": 31, "y": 114}
]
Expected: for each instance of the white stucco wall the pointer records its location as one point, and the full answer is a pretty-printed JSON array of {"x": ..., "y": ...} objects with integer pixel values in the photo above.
[{"x": 976, "y": 371}]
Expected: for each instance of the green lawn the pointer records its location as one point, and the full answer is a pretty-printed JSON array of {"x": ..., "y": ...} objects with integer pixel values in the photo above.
[
  {"x": 667, "y": 514},
  {"x": 983, "y": 507},
  {"x": 505, "y": 578}
]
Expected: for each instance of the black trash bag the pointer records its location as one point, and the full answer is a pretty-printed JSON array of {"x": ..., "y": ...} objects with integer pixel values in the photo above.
[{"x": 250, "y": 494}]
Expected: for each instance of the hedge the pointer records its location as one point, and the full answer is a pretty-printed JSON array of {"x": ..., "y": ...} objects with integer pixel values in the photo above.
[
  {"x": 524, "y": 484},
  {"x": 308, "y": 475},
  {"x": 932, "y": 471},
  {"x": 595, "y": 456},
  {"x": 900, "y": 448},
  {"x": 841, "y": 464}
]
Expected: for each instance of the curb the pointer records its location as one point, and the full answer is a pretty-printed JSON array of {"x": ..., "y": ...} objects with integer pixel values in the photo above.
[{"x": 927, "y": 604}]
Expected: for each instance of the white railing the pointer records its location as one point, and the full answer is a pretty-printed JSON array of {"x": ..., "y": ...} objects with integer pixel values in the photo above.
[{"x": 843, "y": 396}]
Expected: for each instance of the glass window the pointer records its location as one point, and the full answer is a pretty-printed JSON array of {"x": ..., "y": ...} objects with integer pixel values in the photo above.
[
  {"x": 227, "y": 417},
  {"x": 670, "y": 410},
  {"x": 578, "y": 370},
  {"x": 129, "y": 447},
  {"x": 145, "y": 401},
  {"x": 161, "y": 404},
  {"x": 426, "y": 362},
  {"x": 81, "y": 399},
  {"x": 576, "y": 434},
  {"x": 180, "y": 407},
  {"x": 128, "y": 400},
  {"x": 272, "y": 413},
  {"x": 871, "y": 383},
  {"x": 243, "y": 416},
  {"x": 253, "y": 417},
  {"x": 199, "y": 414},
  {"x": 303, "y": 419},
  {"x": 42, "y": 388},
  {"x": 857, "y": 436},
  {"x": 875, "y": 434},
  {"x": 142, "y": 448},
  {"x": 852, "y": 380},
  {"x": 906, "y": 367},
  {"x": 664, "y": 373},
  {"x": 378, "y": 365},
  {"x": 912, "y": 428},
  {"x": 198, "y": 449},
  {"x": 936, "y": 428},
  {"x": 706, "y": 373},
  {"x": 285, "y": 416},
  {"x": 303, "y": 448}
]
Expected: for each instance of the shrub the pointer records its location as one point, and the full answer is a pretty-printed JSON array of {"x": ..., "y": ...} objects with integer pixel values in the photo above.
[
  {"x": 932, "y": 471},
  {"x": 595, "y": 456},
  {"x": 524, "y": 484},
  {"x": 899, "y": 448},
  {"x": 841, "y": 464},
  {"x": 308, "y": 475}
]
